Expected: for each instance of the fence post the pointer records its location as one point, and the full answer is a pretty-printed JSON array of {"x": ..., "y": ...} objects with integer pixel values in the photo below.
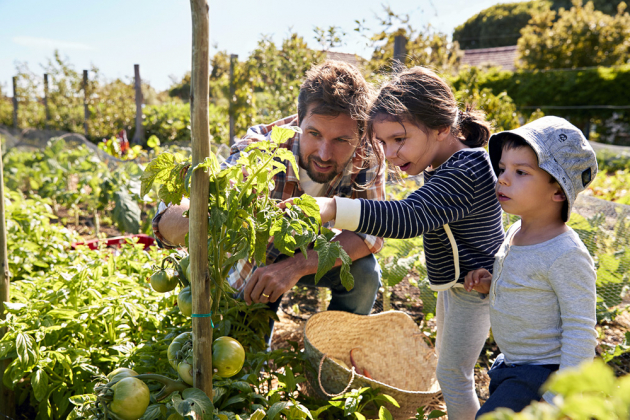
[
  {"x": 233, "y": 58},
  {"x": 7, "y": 399},
  {"x": 198, "y": 223},
  {"x": 86, "y": 112},
  {"x": 400, "y": 48},
  {"x": 15, "y": 103},
  {"x": 138, "y": 136},
  {"x": 46, "y": 100}
]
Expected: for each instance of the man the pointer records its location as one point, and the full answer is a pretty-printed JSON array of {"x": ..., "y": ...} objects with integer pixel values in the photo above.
[{"x": 333, "y": 161}]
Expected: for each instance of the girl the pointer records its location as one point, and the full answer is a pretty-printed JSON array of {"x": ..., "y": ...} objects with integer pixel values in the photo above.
[{"x": 415, "y": 123}]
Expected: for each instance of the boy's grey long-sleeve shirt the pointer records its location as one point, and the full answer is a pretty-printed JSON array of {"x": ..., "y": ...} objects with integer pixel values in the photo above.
[{"x": 542, "y": 301}]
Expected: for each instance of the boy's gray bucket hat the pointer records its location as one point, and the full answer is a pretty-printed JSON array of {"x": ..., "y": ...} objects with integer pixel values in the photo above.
[{"x": 562, "y": 151}]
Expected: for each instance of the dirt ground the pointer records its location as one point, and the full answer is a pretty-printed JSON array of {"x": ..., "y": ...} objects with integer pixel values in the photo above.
[{"x": 299, "y": 304}]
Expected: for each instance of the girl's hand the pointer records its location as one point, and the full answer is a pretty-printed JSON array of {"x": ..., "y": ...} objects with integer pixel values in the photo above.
[
  {"x": 327, "y": 207},
  {"x": 478, "y": 280}
]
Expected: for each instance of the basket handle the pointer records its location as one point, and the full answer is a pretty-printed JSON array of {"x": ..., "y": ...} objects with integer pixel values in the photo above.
[{"x": 319, "y": 379}]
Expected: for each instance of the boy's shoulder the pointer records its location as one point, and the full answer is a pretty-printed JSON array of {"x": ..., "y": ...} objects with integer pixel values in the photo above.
[{"x": 567, "y": 245}]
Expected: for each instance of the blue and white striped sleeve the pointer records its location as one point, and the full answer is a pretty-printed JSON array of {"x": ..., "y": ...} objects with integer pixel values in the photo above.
[{"x": 447, "y": 196}]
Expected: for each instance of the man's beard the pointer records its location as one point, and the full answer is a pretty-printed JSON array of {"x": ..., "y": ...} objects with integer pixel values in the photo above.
[{"x": 318, "y": 177}]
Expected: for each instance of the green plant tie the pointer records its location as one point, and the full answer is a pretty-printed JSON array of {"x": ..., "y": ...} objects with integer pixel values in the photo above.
[{"x": 204, "y": 316}]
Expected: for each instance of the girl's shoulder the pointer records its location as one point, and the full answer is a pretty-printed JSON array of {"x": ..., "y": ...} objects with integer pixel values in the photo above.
[{"x": 475, "y": 162}]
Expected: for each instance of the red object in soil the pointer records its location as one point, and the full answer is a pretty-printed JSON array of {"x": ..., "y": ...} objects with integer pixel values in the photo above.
[{"x": 143, "y": 239}]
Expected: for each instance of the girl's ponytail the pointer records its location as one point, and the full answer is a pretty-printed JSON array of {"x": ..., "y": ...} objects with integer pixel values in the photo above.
[{"x": 472, "y": 125}]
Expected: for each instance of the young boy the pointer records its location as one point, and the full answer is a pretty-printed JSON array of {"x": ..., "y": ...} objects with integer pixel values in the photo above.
[{"x": 542, "y": 292}]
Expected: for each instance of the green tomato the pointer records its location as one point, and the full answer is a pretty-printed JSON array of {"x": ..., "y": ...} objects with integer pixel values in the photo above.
[
  {"x": 185, "y": 370},
  {"x": 228, "y": 356},
  {"x": 120, "y": 373},
  {"x": 183, "y": 264},
  {"x": 131, "y": 398},
  {"x": 176, "y": 346},
  {"x": 184, "y": 301},
  {"x": 164, "y": 280}
]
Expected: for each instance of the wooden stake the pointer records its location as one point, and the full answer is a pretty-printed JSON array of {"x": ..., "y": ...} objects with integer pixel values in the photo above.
[
  {"x": 46, "y": 100},
  {"x": 138, "y": 136},
  {"x": 86, "y": 112},
  {"x": 233, "y": 59},
  {"x": 7, "y": 399},
  {"x": 15, "y": 103},
  {"x": 198, "y": 213},
  {"x": 400, "y": 48}
]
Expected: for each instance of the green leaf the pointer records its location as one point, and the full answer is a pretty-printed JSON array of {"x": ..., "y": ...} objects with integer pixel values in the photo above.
[
  {"x": 26, "y": 352},
  {"x": 276, "y": 408},
  {"x": 195, "y": 403},
  {"x": 435, "y": 414},
  {"x": 156, "y": 171},
  {"x": 154, "y": 412},
  {"x": 258, "y": 415},
  {"x": 384, "y": 414},
  {"x": 153, "y": 142},
  {"x": 351, "y": 404},
  {"x": 359, "y": 416},
  {"x": 40, "y": 384},
  {"x": 309, "y": 206},
  {"x": 82, "y": 399},
  {"x": 387, "y": 398},
  {"x": 280, "y": 135},
  {"x": 126, "y": 212}
]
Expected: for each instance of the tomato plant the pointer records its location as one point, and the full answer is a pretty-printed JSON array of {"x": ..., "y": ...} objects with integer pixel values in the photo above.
[{"x": 130, "y": 398}]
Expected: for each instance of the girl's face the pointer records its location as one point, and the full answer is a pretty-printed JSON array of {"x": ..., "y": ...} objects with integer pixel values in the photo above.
[{"x": 407, "y": 146}]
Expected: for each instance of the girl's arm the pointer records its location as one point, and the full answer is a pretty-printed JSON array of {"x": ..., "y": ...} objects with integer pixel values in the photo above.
[{"x": 447, "y": 196}]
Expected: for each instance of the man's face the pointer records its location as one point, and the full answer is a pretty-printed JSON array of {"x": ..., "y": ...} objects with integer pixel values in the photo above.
[{"x": 326, "y": 145}]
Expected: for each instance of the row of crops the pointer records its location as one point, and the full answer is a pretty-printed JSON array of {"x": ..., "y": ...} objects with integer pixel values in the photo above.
[{"x": 77, "y": 315}]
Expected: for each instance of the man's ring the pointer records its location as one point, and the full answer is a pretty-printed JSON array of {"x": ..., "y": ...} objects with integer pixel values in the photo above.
[{"x": 267, "y": 296}]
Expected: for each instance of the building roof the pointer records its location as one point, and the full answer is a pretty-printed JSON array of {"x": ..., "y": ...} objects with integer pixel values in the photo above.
[
  {"x": 348, "y": 58},
  {"x": 499, "y": 56}
]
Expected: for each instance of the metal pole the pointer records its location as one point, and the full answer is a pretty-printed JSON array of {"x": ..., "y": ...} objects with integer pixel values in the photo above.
[
  {"x": 138, "y": 136},
  {"x": 400, "y": 48},
  {"x": 198, "y": 223},
  {"x": 7, "y": 399},
  {"x": 86, "y": 112},
  {"x": 46, "y": 100},
  {"x": 15, "y": 103},
  {"x": 233, "y": 58}
]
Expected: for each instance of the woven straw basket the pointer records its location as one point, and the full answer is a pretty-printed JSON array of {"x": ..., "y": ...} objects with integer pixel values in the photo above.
[{"x": 388, "y": 345}]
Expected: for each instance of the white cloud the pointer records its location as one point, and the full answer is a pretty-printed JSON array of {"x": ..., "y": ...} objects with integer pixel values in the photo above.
[{"x": 34, "y": 42}]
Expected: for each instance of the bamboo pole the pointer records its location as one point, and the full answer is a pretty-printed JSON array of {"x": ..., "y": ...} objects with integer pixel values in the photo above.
[
  {"x": 233, "y": 59},
  {"x": 86, "y": 111},
  {"x": 15, "y": 103},
  {"x": 7, "y": 399},
  {"x": 198, "y": 223},
  {"x": 46, "y": 101}
]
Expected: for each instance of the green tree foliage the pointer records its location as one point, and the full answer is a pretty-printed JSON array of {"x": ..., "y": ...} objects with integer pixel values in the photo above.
[
  {"x": 424, "y": 47},
  {"x": 579, "y": 37},
  {"x": 497, "y": 26},
  {"x": 607, "y": 6}
]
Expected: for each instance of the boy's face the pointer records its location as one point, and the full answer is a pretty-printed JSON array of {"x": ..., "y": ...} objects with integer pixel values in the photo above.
[{"x": 522, "y": 187}]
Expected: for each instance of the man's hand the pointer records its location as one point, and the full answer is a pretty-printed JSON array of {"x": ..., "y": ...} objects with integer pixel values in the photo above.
[
  {"x": 327, "y": 207},
  {"x": 270, "y": 282},
  {"x": 478, "y": 280}
]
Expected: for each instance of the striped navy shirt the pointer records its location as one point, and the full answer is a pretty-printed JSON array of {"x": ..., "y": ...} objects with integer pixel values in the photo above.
[{"x": 460, "y": 192}]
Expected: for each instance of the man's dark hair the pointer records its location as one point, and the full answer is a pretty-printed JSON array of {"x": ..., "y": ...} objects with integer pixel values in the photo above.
[
  {"x": 511, "y": 142},
  {"x": 333, "y": 88}
]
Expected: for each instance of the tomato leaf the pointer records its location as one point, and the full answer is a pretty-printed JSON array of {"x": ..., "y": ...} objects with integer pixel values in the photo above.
[
  {"x": 258, "y": 415},
  {"x": 126, "y": 212},
  {"x": 26, "y": 352},
  {"x": 156, "y": 171},
  {"x": 281, "y": 134},
  {"x": 195, "y": 403},
  {"x": 275, "y": 409},
  {"x": 384, "y": 414},
  {"x": 154, "y": 412},
  {"x": 40, "y": 384}
]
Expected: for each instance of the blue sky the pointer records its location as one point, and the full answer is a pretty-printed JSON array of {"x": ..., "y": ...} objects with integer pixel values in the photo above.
[{"x": 114, "y": 35}]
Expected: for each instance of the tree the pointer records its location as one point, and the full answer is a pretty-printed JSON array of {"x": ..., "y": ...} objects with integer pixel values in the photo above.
[
  {"x": 424, "y": 48},
  {"x": 497, "y": 26},
  {"x": 579, "y": 37}
]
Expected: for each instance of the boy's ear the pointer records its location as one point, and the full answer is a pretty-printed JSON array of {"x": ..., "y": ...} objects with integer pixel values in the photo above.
[{"x": 559, "y": 195}]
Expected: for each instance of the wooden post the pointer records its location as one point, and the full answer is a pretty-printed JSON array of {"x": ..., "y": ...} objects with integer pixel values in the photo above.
[
  {"x": 233, "y": 58},
  {"x": 138, "y": 136},
  {"x": 400, "y": 48},
  {"x": 198, "y": 224},
  {"x": 86, "y": 112},
  {"x": 15, "y": 103},
  {"x": 46, "y": 100},
  {"x": 7, "y": 399}
]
